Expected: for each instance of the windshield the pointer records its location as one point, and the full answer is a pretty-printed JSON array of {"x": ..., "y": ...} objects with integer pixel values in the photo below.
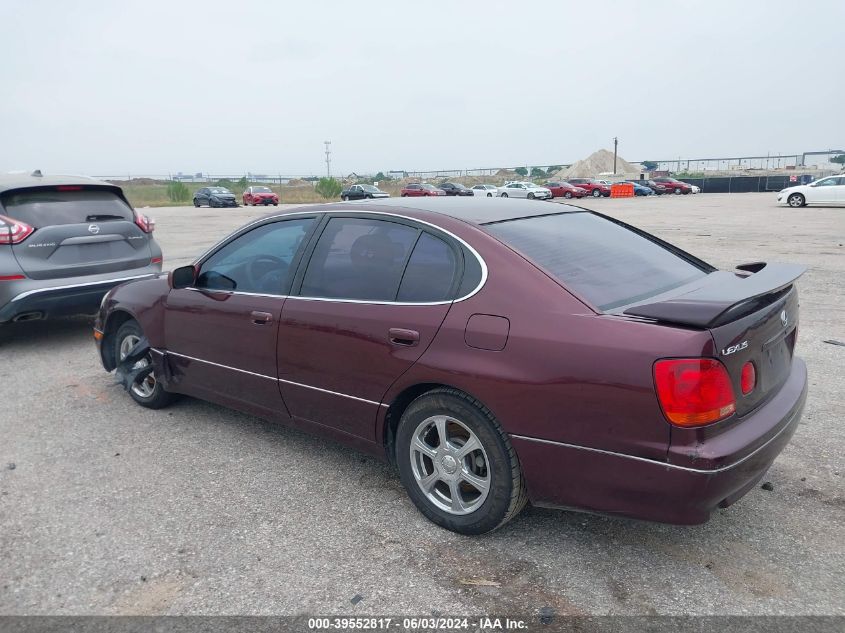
[
  {"x": 218, "y": 190},
  {"x": 262, "y": 190},
  {"x": 606, "y": 263},
  {"x": 428, "y": 186}
]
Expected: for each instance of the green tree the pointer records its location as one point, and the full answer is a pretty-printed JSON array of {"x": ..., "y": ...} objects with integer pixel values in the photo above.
[
  {"x": 328, "y": 188},
  {"x": 521, "y": 171},
  {"x": 225, "y": 182},
  {"x": 839, "y": 160},
  {"x": 649, "y": 165},
  {"x": 177, "y": 191},
  {"x": 243, "y": 183},
  {"x": 553, "y": 169},
  {"x": 536, "y": 172}
]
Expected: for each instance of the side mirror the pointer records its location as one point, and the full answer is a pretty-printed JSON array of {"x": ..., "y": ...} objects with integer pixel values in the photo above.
[{"x": 183, "y": 277}]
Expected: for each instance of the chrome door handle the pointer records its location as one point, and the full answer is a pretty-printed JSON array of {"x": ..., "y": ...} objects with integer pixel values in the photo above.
[
  {"x": 400, "y": 336},
  {"x": 260, "y": 318}
]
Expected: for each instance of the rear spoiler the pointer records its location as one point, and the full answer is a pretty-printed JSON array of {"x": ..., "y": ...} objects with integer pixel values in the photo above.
[{"x": 723, "y": 296}]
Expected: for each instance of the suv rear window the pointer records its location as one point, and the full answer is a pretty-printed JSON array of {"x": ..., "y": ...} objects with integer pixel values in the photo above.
[
  {"x": 607, "y": 264},
  {"x": 50, "y": 207}
]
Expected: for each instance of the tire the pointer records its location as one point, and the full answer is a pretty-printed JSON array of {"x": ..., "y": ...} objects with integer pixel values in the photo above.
[
  {"x": 596, "y": 193},
  {"x": 568, "y": 195},
  {"x": 489, "y": 195},
  {"x": 148, "y": 393},
  {"x": 344, "y": 198},
  {"x": 196, "y": 203},
  {"x": 404, "y": 195},
  {"x": 368, "y": 197},
  {"x": 530, "y": 196},
  {"x": 504, "y": 195},
  {"x": 796, "y": 200},
  {"x": 677, "y": 191},
  {"x": 494, "y": 464}
]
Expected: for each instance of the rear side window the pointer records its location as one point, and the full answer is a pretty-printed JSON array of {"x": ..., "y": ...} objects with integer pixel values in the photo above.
[
  {"x": 51, "y": 207},
  {"x": 607, "y": 264},
  {"x": 431, "y": 272},
  {"x": 359, "y": 258}
]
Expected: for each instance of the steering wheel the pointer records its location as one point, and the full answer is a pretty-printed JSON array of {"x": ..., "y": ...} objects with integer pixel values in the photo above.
[{"x": 266, "y": 272}]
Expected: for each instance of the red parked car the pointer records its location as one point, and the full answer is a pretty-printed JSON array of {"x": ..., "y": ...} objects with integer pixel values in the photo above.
[
  {"x": 260, "y": 195},
  {"x": 495, "y": 351},
  {"x": 561, "y": 189},
  {"x": 672, "y": 185},
  {"x": 594, "y": 187},
  {"x": 418, "y": 190}
]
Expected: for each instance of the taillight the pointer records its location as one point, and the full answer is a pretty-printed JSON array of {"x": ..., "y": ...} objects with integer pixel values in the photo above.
[
  {"x": 13, "y": 231},
  {"x": 694, "y": 391},
  {"x": 145, "y": 223},
  {"x": 156, "y": 260},
  {"x": 748, "y": 378}
]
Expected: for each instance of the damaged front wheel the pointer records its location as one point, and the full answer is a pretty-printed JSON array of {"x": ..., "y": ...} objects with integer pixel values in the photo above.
[{"x": 139, "y": 378}]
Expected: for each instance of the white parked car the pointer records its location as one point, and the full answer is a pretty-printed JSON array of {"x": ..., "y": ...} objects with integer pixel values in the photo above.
[
  {"x": 829, "y": 190},
  {"x": 524, "y": 190},
  {"x": 485, "y": 190},
  {"x": 695, "y": 189}
]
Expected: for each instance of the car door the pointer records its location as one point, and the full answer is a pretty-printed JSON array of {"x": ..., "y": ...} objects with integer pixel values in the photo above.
[
  {"x": 840, "y": 190},
  {"x": 202, "y": 196},
  {"x": 221, "y": 333},
  {"x": 370, "y": 301},
  {"x": 823, "y": 191}
]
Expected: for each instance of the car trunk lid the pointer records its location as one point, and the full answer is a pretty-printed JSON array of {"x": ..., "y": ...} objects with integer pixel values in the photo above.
[
  {"x": 752, "y": 316},
  {"x": 78, "y": 231}
]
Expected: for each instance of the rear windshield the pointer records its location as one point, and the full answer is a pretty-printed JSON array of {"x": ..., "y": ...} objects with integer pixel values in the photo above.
[
  {"x": 46, "y": 207},
  {"x": 605, "y": 263}
]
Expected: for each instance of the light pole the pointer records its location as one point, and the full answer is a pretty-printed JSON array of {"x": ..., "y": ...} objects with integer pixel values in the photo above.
[
  {"x": 328, "y": 158},
  {"x": 615, "y": 146}
]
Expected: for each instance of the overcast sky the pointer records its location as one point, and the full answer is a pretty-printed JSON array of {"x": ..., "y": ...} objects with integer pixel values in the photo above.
[{"x": 156, "y": 87}]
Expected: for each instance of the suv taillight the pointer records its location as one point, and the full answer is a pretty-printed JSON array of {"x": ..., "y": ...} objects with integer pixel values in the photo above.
[
  {"x": 694, "y": 391},
  {"x": 145, "y": 223},
  {"x": 13, "y": 231}
]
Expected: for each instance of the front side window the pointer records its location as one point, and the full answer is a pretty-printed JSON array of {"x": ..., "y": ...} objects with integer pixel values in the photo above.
[
  {"x": 827, "y": 182},
  {"x": 359, "y": 258},
  {"x": 258, "y": 261},
  {"x": 608, "y": 264}
]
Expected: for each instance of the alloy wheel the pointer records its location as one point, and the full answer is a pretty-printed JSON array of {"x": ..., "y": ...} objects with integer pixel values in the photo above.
[
  {"x": 145, "y": 387},
  {"x": 450, "y": 465},
  {"x": 795, "y": 200}
]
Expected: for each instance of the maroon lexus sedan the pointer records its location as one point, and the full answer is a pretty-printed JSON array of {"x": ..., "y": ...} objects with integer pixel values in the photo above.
[{"x": 495, "y": 351}]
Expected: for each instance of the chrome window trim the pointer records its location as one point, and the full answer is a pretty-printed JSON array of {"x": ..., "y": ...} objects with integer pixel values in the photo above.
[
  {"x": 688, "y": 469},
  {"x": 474, "y": 252},
  {"x": 252, "y": 373},
  {"x": 35, "y": 291}
]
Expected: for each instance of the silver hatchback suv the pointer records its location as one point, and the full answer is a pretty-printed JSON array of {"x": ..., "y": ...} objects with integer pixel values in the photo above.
[{"x": 64, "y": 242}]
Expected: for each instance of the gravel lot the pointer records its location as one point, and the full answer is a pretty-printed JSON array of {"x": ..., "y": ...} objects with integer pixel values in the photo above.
[{"x": 108, "y": 508}]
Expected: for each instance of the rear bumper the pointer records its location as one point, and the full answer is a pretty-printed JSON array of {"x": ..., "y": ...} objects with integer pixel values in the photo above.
[
  {"x": 63, "y": 297},
  {"x": 568, "y": 476}
]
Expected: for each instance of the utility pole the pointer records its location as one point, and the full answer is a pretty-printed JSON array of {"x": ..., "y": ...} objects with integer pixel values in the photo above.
[
  {"x": 615, "y": 145},
  {"x": 328, "y": 158}
]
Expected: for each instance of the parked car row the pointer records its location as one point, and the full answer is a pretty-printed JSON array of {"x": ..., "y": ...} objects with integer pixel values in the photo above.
[{"x": 573, "y": 188}]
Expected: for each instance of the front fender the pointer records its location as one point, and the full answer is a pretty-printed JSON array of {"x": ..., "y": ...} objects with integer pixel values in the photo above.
[{"x": 142, "y": 301}]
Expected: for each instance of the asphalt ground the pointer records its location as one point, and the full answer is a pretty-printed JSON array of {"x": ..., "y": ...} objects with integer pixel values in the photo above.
[{"x": 109, "y": 508}]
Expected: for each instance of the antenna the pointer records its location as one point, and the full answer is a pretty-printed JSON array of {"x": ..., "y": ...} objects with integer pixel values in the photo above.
[{"x": 328, "y": 158}]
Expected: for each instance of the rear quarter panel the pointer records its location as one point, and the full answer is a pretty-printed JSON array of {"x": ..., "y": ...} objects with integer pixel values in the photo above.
[{"x": 566, "y": 374}]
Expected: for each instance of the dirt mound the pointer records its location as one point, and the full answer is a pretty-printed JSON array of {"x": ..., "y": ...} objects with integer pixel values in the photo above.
[{"x": 597, "y": 164}]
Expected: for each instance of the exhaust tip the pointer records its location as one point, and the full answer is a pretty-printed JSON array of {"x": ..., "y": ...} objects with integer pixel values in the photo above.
[{"x": 28, "y": 316}]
